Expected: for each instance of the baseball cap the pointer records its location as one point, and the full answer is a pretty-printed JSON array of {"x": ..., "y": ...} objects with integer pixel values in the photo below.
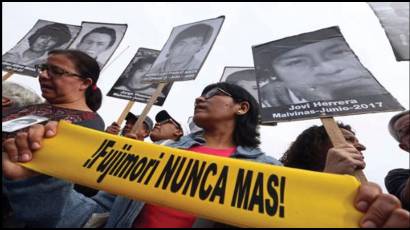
[
  {"x": 164, "y": 115},
  {"x": 133, "y": 118},
  {"x": 393, "y": 120}
]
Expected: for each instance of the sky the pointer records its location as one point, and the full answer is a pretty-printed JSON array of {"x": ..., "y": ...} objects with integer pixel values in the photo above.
[{"x": 246, "y": 24}]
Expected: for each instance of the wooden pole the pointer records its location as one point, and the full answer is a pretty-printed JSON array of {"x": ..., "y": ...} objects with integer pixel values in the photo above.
[
  {"x": 337, "y": 139},
  {"x": 124, "y": 113},
  {"x": 147, "y": 108},
  {"x": 7, "y": 75}
]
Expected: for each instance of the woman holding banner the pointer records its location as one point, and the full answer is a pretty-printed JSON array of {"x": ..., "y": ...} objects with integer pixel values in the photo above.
[
  {"x": 312, "y": 150},
  {"x": 228, "y": 115},
  {"x": 68, "y": 83}
]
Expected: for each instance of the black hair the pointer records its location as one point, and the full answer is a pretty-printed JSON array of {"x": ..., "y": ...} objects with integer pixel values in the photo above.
[
  {"x": 202, "y": 30},
  {"x": 139, "y": 63},
  {"x": 103, "y": 30},
  {"x": 246, "y": 131},
  {"x": 87, "y": 67},
  {"x": 309, "y": 150},
  {"x": 247, "y": 75},
  {"x": 58, "y": 31},
  {"x": 149, "y": 60}
]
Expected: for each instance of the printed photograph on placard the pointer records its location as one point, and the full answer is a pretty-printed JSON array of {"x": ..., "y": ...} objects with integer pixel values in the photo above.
[
  {"x": 99, "y": 40},
  {"x": 394, "y": 17},
  {"x": 242, "y": 76},
  {"x": 32, "y": 49},
  {"x": 129, "y": 85},
  {"x": 315, "y": 74},
  {"x": 184, "y": 53},
  {"x": 21, "y": 123}
]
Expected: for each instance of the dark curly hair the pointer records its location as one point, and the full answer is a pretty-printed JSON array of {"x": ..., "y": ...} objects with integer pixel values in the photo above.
[
  {"x": 309, "y": 150},
  {"x": 58, "y": 31},
  {"x": 246, "y": 132}
]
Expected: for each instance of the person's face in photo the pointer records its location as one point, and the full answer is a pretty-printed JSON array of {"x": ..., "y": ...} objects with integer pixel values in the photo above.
[
  {"x": 137, "y": 75},
  {"x": 22, "y": 122},
  {"x": 186, "y": 48},
  {"x": 43, "y": 43},
  {"x": 324, "y": 70},
  {"x": 95, "y": 43},
  {"x": 250, "y": 86}
]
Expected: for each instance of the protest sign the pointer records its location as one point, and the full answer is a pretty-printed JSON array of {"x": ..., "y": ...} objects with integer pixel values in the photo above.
[
  {"x": 232, "y": 191},
  {"x": 314, "y": 75}
]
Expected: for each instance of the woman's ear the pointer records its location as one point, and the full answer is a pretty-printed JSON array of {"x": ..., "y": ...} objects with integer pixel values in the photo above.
[
  {"x": 243, "y": 108},
  {"x": 86, "y": 83}
]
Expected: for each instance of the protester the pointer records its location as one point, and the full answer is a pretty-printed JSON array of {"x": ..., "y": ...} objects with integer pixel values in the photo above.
[
  {"x": 313, "y": 150},
  {"x": 15, "y": 96},
  {"x": 68, "y": 83},
  {"x": 166, "y": 130},
  {"x": 131, "y": 118},
  {"x": 228, "y": 115},
  {"x": 397, "y": 181}
]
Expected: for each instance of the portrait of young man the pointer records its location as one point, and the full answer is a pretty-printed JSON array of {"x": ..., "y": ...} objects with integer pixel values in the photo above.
[
  {"x": 314, "y": 67},
  {"x": 99, "y": 40},
  {"x": 185, "y": 51},
  {"x": 33, "y": 48},
  {"x": 242, "y": 76},
  {"x": 129, "y": 85}
]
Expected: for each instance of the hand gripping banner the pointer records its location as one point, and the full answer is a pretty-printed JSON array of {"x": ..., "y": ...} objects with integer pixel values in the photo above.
[{"x": 231, "y": 191}]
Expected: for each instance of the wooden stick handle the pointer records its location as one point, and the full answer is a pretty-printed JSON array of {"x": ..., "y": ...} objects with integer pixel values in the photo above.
[
  {"x": 147, "y": 108},
  {"x": 337, "y": 139},
  {"x": 125, "y": 112},
  {"x": 7, "y": 75}
]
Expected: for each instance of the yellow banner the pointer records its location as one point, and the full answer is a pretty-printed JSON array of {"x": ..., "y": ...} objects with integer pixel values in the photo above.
[{"x": 231, "y": 191}]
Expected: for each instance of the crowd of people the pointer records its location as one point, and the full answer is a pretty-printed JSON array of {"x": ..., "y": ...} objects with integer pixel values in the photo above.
[{"x": 228, "y": 117}]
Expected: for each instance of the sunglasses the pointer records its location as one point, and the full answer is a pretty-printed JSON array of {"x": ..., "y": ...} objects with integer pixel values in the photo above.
[
  {"x": 169, "y": 121},
  {"x": 215, "y": 92},
  {"x": 53, "y": 70}
]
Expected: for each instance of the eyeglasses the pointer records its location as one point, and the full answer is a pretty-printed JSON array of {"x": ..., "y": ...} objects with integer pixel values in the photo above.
[
  {"x": 216, "y": 92},
  {"x": 169, "y": 121},
  {"x": 54, "y": 70}
]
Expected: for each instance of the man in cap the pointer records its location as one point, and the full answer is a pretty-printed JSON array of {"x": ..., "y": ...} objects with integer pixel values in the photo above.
[
  {"x": 166, "y": 129},
  {"x": 397, "y": 181},
  {"x": 141, "y": 134}
]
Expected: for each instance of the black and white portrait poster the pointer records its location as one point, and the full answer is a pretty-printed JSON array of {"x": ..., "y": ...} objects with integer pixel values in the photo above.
[
  {"x": 99, "y": 40},
  {"x": 129, "y": 85},
  {"x": 184, "y": 53},
  {"x": 21, "y": 123},
  {"x": 33, "y": 48},
  {"x": 315, "y": 74},
  {"x": 394, "y": 17},
  {"x": 242, "y": 76}
]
